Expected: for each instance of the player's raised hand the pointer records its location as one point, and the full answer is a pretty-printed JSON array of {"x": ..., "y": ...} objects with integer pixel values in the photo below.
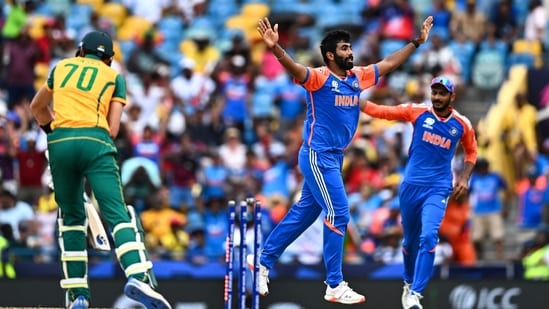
[
  {"x": 268, "y": 33},
  {"x": 425, "y": 29}
]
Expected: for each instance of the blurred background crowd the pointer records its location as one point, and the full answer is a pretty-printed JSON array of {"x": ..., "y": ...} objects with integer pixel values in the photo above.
[{"x": 212, "y": 116}]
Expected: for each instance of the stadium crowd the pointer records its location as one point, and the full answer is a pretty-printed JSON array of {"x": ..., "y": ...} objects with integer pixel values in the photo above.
[{"x": 212, "y": 117}]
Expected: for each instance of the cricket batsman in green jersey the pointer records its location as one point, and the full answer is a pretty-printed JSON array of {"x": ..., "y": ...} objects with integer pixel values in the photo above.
[{"x": 80, "y": 108}]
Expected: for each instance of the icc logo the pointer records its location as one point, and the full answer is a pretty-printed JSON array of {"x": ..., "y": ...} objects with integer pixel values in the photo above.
[{"x": 467, "y": 297}]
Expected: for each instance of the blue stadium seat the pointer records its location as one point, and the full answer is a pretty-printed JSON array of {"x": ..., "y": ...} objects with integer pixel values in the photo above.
[
  {"x": 220, "y": 10},
  {"x": 126, "y": 47},
  {"x": 521, "y": 58},
  {"x": 488, "y": 70},
  {"x": 79, "y": 16},
  {"x": 388, "y": 46},
  {"x": 172, "y": 29},
  {"x": 464, "y": 53}
]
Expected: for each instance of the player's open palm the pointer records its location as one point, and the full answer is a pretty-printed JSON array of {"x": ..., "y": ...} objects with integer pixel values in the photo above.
[
  {"x": 425, "y": 29},
  {"x": 268, "y": 33}
]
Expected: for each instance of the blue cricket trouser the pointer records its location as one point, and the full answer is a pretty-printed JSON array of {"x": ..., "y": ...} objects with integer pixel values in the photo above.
[
  {"x": 422, "y": 209},
  {"x": 323, "y": 190}
]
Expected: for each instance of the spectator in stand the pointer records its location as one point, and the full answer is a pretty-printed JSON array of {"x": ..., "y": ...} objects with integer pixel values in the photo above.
[
  {"x": 149, "y": 145},
  {"x": 150, "y": 96},
  {"x": 505, "y": 22},
  {"x": 216, "y": 225},
  {"x": 535, "y": 257},
  {"x": 196, "y": 252},
  {"x": 535, "y": 25},
  {"x": 522, "y": 134},
  {"x": 17, "y": 18},
  {"x": 29, "y": 240},
  {"x": 214, "y": 177},
  {"x": 144, "y": 58},
  {"x": 489, "y": 210},
  {"x": 139, "y": 188},
  {"x": 19, "y": 58},
  {"x": 239, "y": 47},
  {"x": 234, "y": 86},
  {"x": 182, "y": 174},
  {"x": 158, "y": 222},
  {"x": 32, "y": 164},
  {"x": 151, "y": 10},
  {"x": 389, "y": 249},
  {"x": 397, "y": 21},
  {"x": 14, "y": 211},
  {"x": 265, "y": 142},
  {"x": 441, "y": 60},
  {"x": 7, "y": 269},
  {"x": 233, "y": 152},
  {"x": 191, "y": 91},
  {"x": 205, "y": 128},
  {"x": 456, "y": 228},
  {"x": 360, "y": 170},
  {"x": 530, "y": 192},
  {"x": 46, "y": 217},
  {"x": 471, "y": 22},
  {"x": 290, "y": 99},
  {"x": 8, "y": 154},
  {"x": 278, "y": 178},
  {"x": 443, "y": 17},
  {"x": 201, "y": 50}
]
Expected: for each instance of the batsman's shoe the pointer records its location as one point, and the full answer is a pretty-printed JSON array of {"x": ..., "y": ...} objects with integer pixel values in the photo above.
[
  {"x": 79, "y": 303},
  {"x": 412, "y": 301},
  {"x": 343, "y": 294},
  {"x": 405, "y": 292},
  {"x": 262, "y": 276},
  {"x": 143, "y": 293}
]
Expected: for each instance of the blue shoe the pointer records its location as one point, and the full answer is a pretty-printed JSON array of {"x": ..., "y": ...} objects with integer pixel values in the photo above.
[
  {"x": 143, "y": 293},
  {"x": 79, "y": 303}
]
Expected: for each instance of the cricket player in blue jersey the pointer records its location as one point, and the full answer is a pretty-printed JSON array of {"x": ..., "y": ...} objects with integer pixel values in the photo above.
[
  {"x": 428, "y": 180},
  {"x": 333, "y": 111}
]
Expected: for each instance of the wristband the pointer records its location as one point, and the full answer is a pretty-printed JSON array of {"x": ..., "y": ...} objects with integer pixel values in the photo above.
[
  {"x": 415, "y": 42},
  {"x": 46, "y": 127}
]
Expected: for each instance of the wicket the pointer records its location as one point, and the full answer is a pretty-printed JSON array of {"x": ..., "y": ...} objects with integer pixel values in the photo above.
[{"x": 250, "y": 205}]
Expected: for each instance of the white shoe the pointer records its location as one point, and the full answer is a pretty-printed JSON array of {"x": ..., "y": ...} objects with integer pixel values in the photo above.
[
  {"x": 405, "y": 292},
  {"x": 262, "y": 276},
  {"x": 412, "y": 301},
  {"x": 144, "y": 293},
  {"x": 343, "y": 294}
]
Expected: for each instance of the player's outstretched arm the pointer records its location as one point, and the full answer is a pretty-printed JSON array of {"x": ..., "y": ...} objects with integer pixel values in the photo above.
[
  {"x": 270, "y": 36},
  {"x": 397, "y": 58}
]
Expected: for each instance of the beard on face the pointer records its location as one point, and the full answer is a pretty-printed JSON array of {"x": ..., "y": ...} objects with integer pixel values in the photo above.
[
  {"x": 344, "y": 63},
  {"x": 441, "y": 106}
]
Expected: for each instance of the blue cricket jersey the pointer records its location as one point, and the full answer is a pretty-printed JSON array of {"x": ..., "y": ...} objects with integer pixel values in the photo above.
[
  {"x": 333, "y": 106},
  {"x": 434, "y": 141}
]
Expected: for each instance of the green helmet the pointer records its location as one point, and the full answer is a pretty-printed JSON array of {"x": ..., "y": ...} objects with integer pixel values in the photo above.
[{"x": 98, "y": 43}]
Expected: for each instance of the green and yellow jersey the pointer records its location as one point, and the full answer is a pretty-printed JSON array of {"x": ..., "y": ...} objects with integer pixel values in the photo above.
[{"x": 84, "y": 88}]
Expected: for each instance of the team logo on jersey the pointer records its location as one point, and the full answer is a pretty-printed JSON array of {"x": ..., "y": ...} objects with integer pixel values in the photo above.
[
  {"x": 355, "y": 84},
  {"x": 335, "y": 86},
  {"x": 346, "y": 100},
  {"x": 453, "y": 131},
  {"x": 428, "y": 123},
  {"x": 437, "y": 140}
]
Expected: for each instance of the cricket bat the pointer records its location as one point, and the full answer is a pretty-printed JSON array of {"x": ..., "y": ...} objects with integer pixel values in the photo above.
[{"x": 97, "y": 236}]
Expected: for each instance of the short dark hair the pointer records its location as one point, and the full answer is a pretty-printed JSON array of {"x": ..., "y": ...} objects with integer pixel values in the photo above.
[{"x": 330, "y": 40}]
